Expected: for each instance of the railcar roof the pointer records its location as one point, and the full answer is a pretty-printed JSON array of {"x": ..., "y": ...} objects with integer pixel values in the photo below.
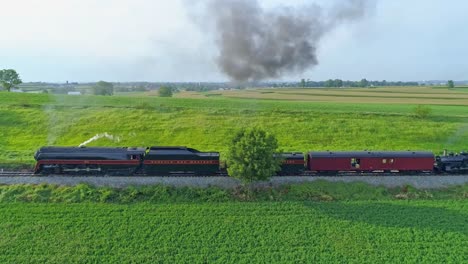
[
  {"x": 158, "y": 150},
  {"x": 52, "y": 149},
  {"x": 370, "y": 154},
  {"x": 298, "y": 155}
]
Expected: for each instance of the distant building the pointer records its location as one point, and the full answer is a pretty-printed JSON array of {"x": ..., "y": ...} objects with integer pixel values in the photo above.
[
  {"x": 16, "y": 91},
  {"x": 74, "y": 93}
]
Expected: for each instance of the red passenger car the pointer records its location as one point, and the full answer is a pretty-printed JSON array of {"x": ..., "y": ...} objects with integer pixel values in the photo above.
[{"x": 369, "y": 161}]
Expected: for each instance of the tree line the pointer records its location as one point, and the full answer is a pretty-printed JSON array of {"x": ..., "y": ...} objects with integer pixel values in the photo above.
[
  {"x": 9, "y": 79},
  {"x": 337, "y": 83}
]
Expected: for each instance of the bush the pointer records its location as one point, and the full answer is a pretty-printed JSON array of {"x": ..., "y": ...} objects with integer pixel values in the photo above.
[
  {"x": 165, "y": 91},
  {"x": 422, "y": 111}
]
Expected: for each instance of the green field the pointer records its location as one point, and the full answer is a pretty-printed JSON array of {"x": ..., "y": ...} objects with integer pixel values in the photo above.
[
  {"x": 320, "y": 222},
  {"x": 232, "y": 232},
  {"x": 29, "y": 121}
]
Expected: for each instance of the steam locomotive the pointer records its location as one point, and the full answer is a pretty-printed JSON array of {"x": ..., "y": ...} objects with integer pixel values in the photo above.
[{"x": 164, "y": 161}]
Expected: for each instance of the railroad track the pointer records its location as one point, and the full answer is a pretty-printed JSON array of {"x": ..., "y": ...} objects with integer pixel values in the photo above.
[
  {"x": 31, "y": 174},
  {"x": 15, "y": 174}
]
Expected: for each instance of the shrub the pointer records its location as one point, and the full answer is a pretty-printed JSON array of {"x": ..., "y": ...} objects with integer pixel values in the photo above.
[
  {"x": 165, "y": 91},
  {"x": 422, "y": 111}
]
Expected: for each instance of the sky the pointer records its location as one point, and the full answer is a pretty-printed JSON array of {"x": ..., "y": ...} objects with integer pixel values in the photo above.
[{"x": 160, "y": 40}]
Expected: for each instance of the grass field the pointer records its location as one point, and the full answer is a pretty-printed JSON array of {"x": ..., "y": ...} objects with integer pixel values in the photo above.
[{"x": 29, "y": 121}]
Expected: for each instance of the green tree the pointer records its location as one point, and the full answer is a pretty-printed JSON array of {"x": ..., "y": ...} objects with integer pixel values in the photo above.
[
  {"x": 329, "y": 83},
  {"x": 338, "y": 83},
  {"x": 303, "y": 83},
  {"x": 165, "y": 91},
  {"x": 251, "y": 155},
  {"x": 450, "y": 84},
  {"x": 103, "y": 88},
  {"x": 9, "y": 78},
  {"x": 364, "y": 83}
]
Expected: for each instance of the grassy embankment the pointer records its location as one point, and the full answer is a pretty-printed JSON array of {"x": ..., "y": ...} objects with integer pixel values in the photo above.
[
  {"x": 29, "y": 121},
  {"x": 291, "y": 224}
]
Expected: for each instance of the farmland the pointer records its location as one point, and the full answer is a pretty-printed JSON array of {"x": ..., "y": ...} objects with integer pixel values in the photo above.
[
  {"x": 233, "y": 232},
  {"x": 319, "y": 222},
  {"x": 385, "y": 95},
  {"x": 29, "y": 121}
]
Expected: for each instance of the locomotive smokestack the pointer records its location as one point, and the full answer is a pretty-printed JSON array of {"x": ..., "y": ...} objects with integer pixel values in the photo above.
[{"x": 255, "y": 43}]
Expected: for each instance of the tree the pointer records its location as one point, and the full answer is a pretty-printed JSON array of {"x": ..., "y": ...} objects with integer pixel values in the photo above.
[
  {"x": 103, "y": 88},
  {"x": 338, "y": 83},
  {"x": 251, "y": 155},
  {"x": 329, "y": 83},
  {"x": 165, "y": 91},
  {"x": 450, "y": 84},
  {"x": 9, "y": 78},
  {"x": 303, "y": 83},
  {"x": 364, "y": 83}
]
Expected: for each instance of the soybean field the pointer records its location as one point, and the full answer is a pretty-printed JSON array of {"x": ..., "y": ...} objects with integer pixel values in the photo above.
[{"x": 233, "y": 232}]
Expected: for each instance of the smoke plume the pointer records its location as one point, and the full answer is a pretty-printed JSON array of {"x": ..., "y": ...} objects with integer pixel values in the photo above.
[
  {"x": 99, "y": 136},
  {"x": 256, "y": 44}
]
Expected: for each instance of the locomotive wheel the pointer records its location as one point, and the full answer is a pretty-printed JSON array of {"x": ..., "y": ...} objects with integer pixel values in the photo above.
[{"x": 57, "y": 170}]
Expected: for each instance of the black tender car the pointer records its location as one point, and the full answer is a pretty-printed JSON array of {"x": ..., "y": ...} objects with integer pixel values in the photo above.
[{"x": 180, "y": 160}]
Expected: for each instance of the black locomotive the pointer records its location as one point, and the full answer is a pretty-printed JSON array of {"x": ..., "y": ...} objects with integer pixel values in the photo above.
[
  {"x": 125, "y": 161},
  {"x": 161, "y": 161},
  {"x": 452, "y": 163}
]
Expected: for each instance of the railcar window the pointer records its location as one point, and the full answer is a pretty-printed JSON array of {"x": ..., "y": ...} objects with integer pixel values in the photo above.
[
  {"x": 355, "y": 163},
  {"x": 384, "y": 161}
]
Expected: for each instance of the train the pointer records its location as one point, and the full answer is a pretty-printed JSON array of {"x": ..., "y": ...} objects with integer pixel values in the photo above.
[{"x": 181, "y": 160}]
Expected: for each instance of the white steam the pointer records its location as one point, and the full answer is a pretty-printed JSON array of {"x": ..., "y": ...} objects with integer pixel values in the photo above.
[{"x": 99, "y": 136}]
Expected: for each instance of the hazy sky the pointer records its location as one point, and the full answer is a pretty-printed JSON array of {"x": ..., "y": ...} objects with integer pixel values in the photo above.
[{"x": 157, "y": 40}]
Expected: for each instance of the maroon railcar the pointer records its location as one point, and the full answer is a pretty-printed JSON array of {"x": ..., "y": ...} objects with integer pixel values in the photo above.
[{"x": 369, "y": 161}]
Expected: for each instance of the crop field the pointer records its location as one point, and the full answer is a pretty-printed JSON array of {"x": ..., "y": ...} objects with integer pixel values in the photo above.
[
  {"x": 29, "y": 121},
  {"x": 386, "y": 95},
  {"x": 233, "y": 232}
]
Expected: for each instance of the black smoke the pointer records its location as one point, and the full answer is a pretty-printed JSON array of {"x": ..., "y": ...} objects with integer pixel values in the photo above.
[{"x": 256, "y": 44}]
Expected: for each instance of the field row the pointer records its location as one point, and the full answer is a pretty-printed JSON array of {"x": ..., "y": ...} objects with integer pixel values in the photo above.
[
  {"x": 48, "y": 102},
  {"x": 394, "y": 95}
]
